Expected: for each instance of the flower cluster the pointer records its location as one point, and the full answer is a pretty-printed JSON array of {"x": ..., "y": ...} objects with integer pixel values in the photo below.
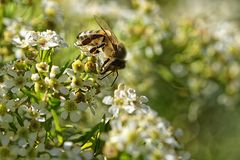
[
  {"x": 137, "y": 132},
  {"x": 41, "y": 103},
  {"x": 15, "y": 25},
  {"x": 45, "y": 40}
]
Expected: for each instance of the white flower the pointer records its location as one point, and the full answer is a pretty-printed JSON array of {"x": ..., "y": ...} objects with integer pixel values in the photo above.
[
  {"x": 108, "y": 100},
  {"x": 54, "y": 70},
  {"x": 132, "y": 94},
  {"x": 114, "y": 110},
  {"x": 45, "y": 40},
  {"x": 143, "y": 99},
  {"x": 136, "y": 129},
  {"x": 49, "y": 39},
  {"x": 18, "y": 81},
  {"x": 19, "y": 53},
  {"x": 30, "y": 39},
  {"x": 72, "y": 109},
  {"x": 67, "y": 145},
  {"x": 57, "y": 85},
  {"x": 37, "y": 111},
  {"x": 35, "y": 77},
  {"x": 125, "y": 100}
]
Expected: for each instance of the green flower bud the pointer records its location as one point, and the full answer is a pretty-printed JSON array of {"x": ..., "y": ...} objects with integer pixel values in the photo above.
[
  {"x": 77, "y": 66},
  {"x": 39, "y": 86},
  {"x": 92, "y": 58},
  {"x": 51, "y": 83},
  {"x": 42, "y": 67},
  {"x": 3, "y": 109},
  {"x": 76, "y": 82},
  {"x": 90, "y": 66},
  {"x": 20, "y": 65}
]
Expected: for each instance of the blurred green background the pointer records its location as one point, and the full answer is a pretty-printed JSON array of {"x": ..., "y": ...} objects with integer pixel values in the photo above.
[{"x": 184, "y": 55}]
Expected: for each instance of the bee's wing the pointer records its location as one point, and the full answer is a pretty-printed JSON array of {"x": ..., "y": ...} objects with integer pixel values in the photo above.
[{"x": 105, "y": 27}]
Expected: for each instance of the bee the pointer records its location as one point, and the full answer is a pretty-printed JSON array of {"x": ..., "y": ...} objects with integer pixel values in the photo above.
[{"x": 104, "y": 39}]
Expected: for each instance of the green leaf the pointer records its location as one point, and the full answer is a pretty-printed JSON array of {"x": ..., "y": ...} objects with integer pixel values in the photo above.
[
  {"x": 91, "y": 139},
  {"x": 125, "y": 156},
  {"x": 62, "y": 69},
  {"x": 30, "y": 94},
  {"x": 56, "y": 120},
  {"x": 54, "y": 102},
  {"x": 12, "y": 125},
  {"x": 88, "y": 135},
  {"x": 58, "y": 127},
  {"x": 19, "y": 119},
  {"x": 48, "y": 124}
]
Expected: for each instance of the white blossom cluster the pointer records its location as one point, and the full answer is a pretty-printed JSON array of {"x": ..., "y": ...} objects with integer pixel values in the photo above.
[
  {"x": 137, "y": 130},
  {"x": 25, "y": 148},
  {"x": 45, "y": 40},
  {"x": 22, "y": 124},
  {"x": 29, "y": 94},
  {"x": 65, "y": 86}
]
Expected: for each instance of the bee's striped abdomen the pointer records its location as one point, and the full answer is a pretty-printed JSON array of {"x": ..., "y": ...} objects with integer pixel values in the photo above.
[{"x": 91, "y": 38}]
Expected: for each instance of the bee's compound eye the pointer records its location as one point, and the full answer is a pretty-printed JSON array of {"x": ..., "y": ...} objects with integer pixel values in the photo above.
[{"x": 121, "y": 51}]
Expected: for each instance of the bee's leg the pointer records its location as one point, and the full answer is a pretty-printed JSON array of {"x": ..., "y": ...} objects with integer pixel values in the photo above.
[
  {"x": 103, "y": 65},
  {"x": 106, "y": 75},
  {"x": 115, "y": 79}
]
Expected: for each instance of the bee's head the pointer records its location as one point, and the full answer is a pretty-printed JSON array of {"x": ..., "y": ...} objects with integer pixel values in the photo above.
[
  {"x": 114, "y": 65},
  {"x": 118, "y": 63},
  {"x": 121, "y": 51}
]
